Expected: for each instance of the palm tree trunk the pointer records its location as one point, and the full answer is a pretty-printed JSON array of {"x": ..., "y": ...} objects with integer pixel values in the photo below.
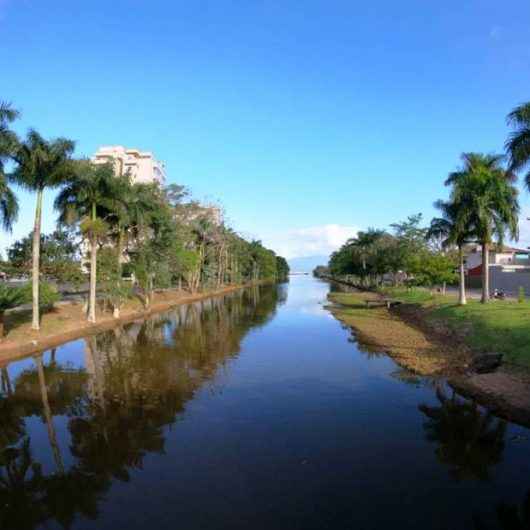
[
  {"x": 93, "y": 270},
  {"x": 485, "y": 273},
  {"x": 462, "y": 287},
  {"x": 93, "y": 266},
  {"x": 48, "y": 417},
  {"x": 117, "y": 302},
  {"x": 35, "y": 324}
]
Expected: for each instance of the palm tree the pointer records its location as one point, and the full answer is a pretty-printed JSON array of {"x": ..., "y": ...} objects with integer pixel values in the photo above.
[
  {"x": 518, "y": 143},
  {"x": 87, "y": 198},
  {"x": 487, "y": 203},
  {"x": 41, "y": 164},
  {"x": 451, "y": 232},
  {"x": 8, "y": 145}
]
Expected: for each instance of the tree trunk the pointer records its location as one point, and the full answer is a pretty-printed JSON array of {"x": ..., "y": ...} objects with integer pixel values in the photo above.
[
  {"x": 48, "y": 417},
  {"x": 1, "y": 324},
  {"x": 462, "y": 287},
  {"x": 93, "y": 270},
  {"x": 485, "y": 273},
  {"x": 35, "y": 324}
]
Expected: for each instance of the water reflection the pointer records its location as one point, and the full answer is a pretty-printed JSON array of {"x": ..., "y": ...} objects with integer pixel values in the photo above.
[
  {"x": 509, "y": 517},
  {"x": 134, "y": 383},
  {"x": 470, "y": 441}
]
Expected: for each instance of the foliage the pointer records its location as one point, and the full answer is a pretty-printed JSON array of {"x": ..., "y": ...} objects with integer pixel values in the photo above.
[
  {"x": 8, "y": 146},
  {"x": 59, "y": 253},
  {"x": 12, "y": 297},
  {"x": 48, "y": 294},
  {"x": 112, "y": 287},
  {"x": 376, "y": 257}
]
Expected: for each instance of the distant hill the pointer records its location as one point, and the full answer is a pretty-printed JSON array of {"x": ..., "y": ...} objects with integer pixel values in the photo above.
[{"x": 307, "y": 263}]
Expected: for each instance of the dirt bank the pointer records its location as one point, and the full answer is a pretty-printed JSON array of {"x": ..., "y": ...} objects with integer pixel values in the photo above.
[
  {"x": 379, "y": 328},
  {"x": 432, "y": 349},
  {"x": 67, "y": 322}
]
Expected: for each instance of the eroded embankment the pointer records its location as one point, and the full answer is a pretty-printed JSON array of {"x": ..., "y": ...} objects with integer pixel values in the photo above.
[{"x": 427, "y": 350}]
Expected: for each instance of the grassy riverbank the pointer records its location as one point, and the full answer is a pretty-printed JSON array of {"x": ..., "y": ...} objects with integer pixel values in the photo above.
[{"x": 500, "y": 326}]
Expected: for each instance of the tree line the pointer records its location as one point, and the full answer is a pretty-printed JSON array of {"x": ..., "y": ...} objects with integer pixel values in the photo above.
[
  {"x": 113, "y": 228},
  {"x": 482, "y": 208}
]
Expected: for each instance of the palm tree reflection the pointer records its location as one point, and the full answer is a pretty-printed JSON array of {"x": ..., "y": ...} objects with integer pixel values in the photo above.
[
  {"x": 509, "y": 517},
  {"x": 469, "y": 441},
  {"x": 135, "y": 383}
]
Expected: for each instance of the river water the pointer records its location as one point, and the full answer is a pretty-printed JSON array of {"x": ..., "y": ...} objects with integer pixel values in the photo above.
[{"x": 257, "y": 410}]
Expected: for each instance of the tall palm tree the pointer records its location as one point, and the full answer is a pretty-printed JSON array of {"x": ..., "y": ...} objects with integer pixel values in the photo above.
[
  {"x": 41, "y": 164},
  {"x": 8, "y": 145},
  {"x": 87, "y": 198},
  {"x": 451, "y": 232},
  {"x": 518, "y": 143},
  {"x": 487, "y": 203}
]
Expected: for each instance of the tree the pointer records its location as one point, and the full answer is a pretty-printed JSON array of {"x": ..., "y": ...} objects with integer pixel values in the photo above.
[
  {"x": 59, "y": 254},
  {"x": 8, "y": 145},
  {"x": 487, "y": 203},
  {"x": 450, "y": 231},
  {"x": 518, "y": 143},
  {"x": 41, "y": 164},
  {"x": 87, "y": 198}
]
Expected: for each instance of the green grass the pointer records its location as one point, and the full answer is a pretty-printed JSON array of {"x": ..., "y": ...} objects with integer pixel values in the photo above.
[{"x": 500, "y": 326}]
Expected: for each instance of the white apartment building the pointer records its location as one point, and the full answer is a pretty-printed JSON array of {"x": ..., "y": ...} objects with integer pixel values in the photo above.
[{"x": 141, "y": 165}]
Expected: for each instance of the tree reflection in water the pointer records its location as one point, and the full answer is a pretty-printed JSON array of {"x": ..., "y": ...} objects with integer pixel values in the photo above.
[
  {"x": 136, "y": 381},
  {"x": 470, "y": 441},
  {"x": 509, "y": 517}
]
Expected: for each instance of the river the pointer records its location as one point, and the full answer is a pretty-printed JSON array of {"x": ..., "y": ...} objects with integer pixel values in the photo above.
[{"x": 257, "y": 410}]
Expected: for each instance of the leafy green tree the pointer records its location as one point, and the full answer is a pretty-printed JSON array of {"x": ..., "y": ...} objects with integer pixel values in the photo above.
[
  {"x": 59, "y": 254},
  {"x": 487, "y": 203},
  {"x": 450, "y": 231},
  {"x": 282, "y": 268},
  {"x": 41, "y": 164},
  {"x": 109, "y": 272}
]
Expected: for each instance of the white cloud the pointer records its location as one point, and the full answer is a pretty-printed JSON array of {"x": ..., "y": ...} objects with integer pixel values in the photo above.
[{"x": 312, "y": 241}]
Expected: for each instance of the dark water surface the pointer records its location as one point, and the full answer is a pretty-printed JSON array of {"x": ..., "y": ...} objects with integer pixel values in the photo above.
[{"x": 257, "y": 411}]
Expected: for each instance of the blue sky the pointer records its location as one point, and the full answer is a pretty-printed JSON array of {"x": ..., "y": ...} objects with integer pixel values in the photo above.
[{"x": 306, "y": 120}]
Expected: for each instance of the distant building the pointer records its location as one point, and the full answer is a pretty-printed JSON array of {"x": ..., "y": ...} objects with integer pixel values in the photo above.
[
  {"x": 509, "y": 268},
  {"x": 141, "y": 165}
]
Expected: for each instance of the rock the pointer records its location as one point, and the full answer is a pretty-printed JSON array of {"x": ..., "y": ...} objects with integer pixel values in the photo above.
[{"x": 486, "y": 362}]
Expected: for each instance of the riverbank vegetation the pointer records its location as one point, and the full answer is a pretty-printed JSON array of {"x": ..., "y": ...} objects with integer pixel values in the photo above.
[
  {"x": 127, "y": 239},
  {"x": 413, "y": 261},
  {"x": 482, "y": 208},
  {"x": 503, "y": 326}
]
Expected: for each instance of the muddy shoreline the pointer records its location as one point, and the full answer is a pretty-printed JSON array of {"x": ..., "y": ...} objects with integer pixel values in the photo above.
[
  {"x": 404, "y": 333},
  {"x": 35, "y": 342}
]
